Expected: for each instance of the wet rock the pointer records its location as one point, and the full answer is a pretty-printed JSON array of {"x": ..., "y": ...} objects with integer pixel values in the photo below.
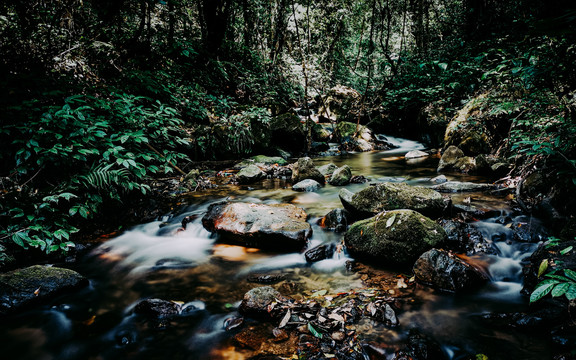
[
  {"x": 457, "y": 186},
  {"x": 265, "y": 278},
  {"x": 466, "y": 164},
  {"x": 440, "y": 179},
  {"x": 358, "y": 179},
  {"x": 390, "y": 196},
  {"x": 288, "y": 132},
  {"x": 446, "y": 272},
  {"x": 321, "y": 132},
  {"x": 261, "y": 161},
  {"x": 337, "y": 220},
  {"x": 307, "y": 185},
  {"x": 34, "y": 285},
  {"x": 156, "y": 308},
  {"x": 449, "y": 158},
  {"x": 256, "y": 301},
  {"x": 415, "y": 154},
  {"x": 465, "y": 238},
  {"x": 328, "y": 169},
  {"x": 386, "y": 315},
  {"x": 528, "y": 229},
  {"x": 341, "y": 176},
  {"x": 393, "y": 238},
  {"x": 276, "y": 226},
  {"x": 305, "y": 169},
  {"x": 320, "y": 252},
  {"x": 250, "y": 174},
  {"x": 423, "y": 347}
]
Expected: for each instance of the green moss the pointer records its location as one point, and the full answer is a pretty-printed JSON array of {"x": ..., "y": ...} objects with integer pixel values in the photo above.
[{"x": 395, "y": 237}]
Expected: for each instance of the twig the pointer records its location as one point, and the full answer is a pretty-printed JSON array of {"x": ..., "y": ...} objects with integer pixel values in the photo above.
[
  {"x": 32, "y": 178},
  {"x": 15, "y": 232}
]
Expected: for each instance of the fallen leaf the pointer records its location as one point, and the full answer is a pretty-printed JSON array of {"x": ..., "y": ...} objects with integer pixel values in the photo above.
[
  {"x": 401, "y": 284},
  {"x": 285, "y": 319},
  {"x": 336, "y": 317},
  {"x": 319, "y": 293},
  {"x": 314, "y": 332},
  {"x": 37, "y": 292},
  {"x": 371, "y": 308},
  {"x": 390, "y": 221}
]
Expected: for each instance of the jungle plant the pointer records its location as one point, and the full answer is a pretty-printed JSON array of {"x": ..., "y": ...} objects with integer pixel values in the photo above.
[{"x": 558, "y": 282}]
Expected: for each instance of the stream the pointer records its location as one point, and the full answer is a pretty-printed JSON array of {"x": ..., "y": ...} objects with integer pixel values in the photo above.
[{"x": 208, "y": 279}]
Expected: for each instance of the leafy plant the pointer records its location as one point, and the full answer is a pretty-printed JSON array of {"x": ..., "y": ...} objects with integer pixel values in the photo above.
[{"x": 558, "y": 282}]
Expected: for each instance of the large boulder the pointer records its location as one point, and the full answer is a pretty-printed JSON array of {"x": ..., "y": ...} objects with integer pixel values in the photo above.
[
  {"x": 250, "y": 174},
  {"x": 341, "y": 176},
  {"x": 449, "y": 158},
  {"x": 276, "y": 226},
  {"x": 477, "y": 128},
  {"x": 340, "y": 103},
  {"x": 393, "y": 238},
  {"x": 446, "y": 272},
  {"x": 391, "y": 196},
  {"x": 305, "y": 169},
  {"x": 288, "y": 132},
  {"x": 35, "y": 284}
]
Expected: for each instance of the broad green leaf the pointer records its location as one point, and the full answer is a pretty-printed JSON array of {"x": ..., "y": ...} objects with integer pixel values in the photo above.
[
  {"x": 560, "y": 289},
  {"x": 571, "y": 292},
  {"x": 314, "y": 332},
  {"x": 541, "y": 291},
  {"x": 571, "y": 274},
  {"x": 543, "y": 267}
]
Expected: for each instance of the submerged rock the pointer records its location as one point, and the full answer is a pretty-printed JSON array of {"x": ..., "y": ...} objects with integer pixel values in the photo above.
[
  {"x": 415, "y": 154},
  {"x": 446, "y": 272},
  {"x": 390, "y": 196},
  {"x": 393, "y": 238},
  {"x": 35, "y": 284},
  {"x": 305, "y": 169},
  {"x": 341, "y": 176},
  {"x": 307, "y": 185},
  {"x": 157, "y": 308},
  {"x": 250, "y": 174},
  {"x": 276, "y": 226}
]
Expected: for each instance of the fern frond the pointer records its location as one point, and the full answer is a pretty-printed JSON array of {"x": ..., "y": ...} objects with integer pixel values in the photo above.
[{"x": 103, "y": 177}]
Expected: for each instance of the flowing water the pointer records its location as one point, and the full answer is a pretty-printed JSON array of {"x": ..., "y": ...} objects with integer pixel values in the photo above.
[{"x": 163, "y": 260}]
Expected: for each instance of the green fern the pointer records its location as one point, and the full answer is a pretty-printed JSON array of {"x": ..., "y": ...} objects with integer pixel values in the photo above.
[{"x": 103, "y": 176}]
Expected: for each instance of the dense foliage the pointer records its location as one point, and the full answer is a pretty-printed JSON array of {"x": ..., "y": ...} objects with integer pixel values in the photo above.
[{"x": 97, "y": 97}]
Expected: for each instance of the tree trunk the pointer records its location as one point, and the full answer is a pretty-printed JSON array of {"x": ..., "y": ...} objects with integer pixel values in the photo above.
[{"x": 215, "y": 17}]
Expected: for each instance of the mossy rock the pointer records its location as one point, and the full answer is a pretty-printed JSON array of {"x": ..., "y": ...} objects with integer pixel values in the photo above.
[
  {"x": 35, "y": 284},
  {"x": 262, "y": 160},
  {"x": 288, "y": 132},
  {"x": 393, "y": 238},
  {"x": 341, "y": 176},
  {"x": 250, "y": 174},
  {"x": 305, "y": 169},
  {"x": 391, "y": 196},
  {"x": 328, "y": 169}
]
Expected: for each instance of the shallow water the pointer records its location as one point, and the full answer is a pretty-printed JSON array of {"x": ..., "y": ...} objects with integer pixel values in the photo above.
[{"x": 162, "y": 260}]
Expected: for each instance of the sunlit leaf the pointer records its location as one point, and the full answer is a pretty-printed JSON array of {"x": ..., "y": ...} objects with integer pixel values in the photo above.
[
  {"x": 566, "y": 250},
  {"x": 543, "y": 267}
]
